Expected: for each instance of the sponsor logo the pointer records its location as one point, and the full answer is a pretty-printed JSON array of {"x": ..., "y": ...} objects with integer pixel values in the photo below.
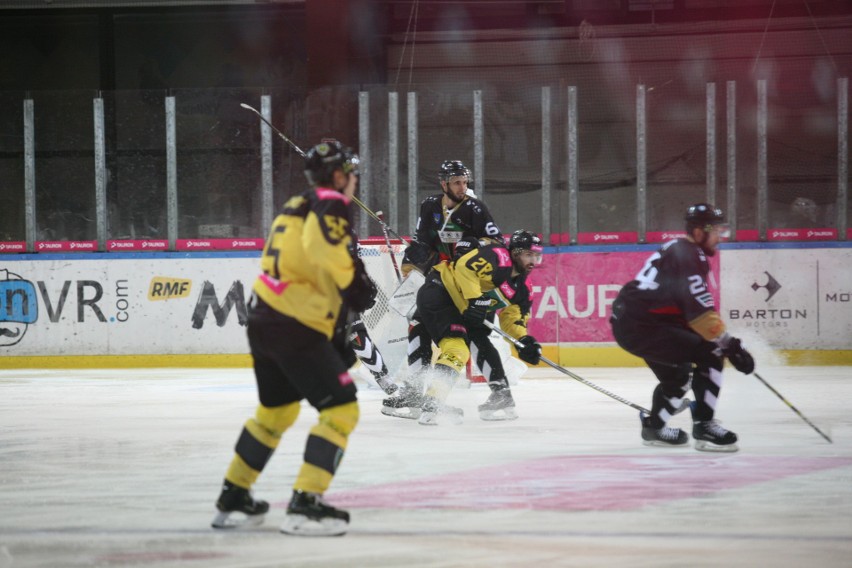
[
  {"x": 600, "y": 237},
  {"x": 242, "y": 244},
  {"x": 784, "y": 234},
  {"x": 163, "y": 288},
  {"x": 827, "y": 233},
  {"x": 121, "y": 245},
  {"x": 235, "y": 298},
  {"x": 18, "y": 307},
  {"x": 198, "y": 244},
  {"x": 839, "y": 297},
  {"x": 772, "y": 286}
]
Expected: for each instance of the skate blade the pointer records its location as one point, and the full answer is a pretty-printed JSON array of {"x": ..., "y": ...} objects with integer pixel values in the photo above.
[
  {"x": 661, "y": 444},
  {"x": 498, "y": 415},
  {"x": 300, "y": 525},
  {"x": 408, "y": 413},
  {"x": 705, "y": 446},
  {"x": 235, "y": 520}
]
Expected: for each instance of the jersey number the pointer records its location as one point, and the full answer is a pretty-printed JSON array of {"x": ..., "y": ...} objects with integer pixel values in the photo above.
[
  {"x": 491, "y": 229},
  {"x": 647, "y": 277},
  {"x": 482, "y": 267}
]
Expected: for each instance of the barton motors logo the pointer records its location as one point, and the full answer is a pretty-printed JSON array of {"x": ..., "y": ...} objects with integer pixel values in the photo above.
[{"x": 772, "y": 286}]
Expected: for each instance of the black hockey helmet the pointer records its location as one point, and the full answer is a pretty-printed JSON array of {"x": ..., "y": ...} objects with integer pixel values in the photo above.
[
  {"x": 451, "y": 168},
  {"x": 323, "y": 159},
  {"x": 521, "y": 241},
  {"x": 703, "y": 215}
]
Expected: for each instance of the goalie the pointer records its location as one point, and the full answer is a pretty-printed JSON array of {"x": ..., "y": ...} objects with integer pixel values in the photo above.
[{"x": 454, "y": 303}]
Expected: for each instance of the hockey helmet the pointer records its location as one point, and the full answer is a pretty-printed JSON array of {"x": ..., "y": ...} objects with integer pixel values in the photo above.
[
  {"x": 525, "y": 241},
  {"x": 703, "y": 215},
  {"x": 322, "y": 160},
  {"x": 452, "y": 168}
]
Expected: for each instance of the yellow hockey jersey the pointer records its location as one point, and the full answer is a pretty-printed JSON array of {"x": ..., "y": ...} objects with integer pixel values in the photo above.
[{"x": 308, "y": 259}]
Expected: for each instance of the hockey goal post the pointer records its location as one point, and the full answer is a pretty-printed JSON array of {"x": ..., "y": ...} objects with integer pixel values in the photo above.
[{"x": 388, "y": 329}]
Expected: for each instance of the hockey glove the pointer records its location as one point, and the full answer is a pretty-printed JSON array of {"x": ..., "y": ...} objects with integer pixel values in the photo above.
[
  {"x": 476, "y": 311},
  {"x": 531, "y": 351},
  {"x": 340, "y": 342},
  {"x": 360, "y": 296},
  {"x": 738, "y": 356}
]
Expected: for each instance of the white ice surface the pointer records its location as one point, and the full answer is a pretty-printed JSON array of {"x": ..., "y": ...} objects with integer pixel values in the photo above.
[{"x": 121, "y": 468}]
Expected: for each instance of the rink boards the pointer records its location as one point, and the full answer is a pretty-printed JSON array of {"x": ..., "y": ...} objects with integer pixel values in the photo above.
[{"x": 154, "y": 309}]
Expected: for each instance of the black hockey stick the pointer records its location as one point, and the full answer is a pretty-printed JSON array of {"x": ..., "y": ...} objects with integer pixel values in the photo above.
[
  {"x": 793, "y": 408},
  {"x": 302, "y": 154},
  {"x": 390, "y": 248},
  {"x": 270, "y": 125},
  {"x": 562, "y": 369}
]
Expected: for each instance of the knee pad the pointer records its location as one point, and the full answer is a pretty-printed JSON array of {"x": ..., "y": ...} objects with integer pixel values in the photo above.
[
  {"x": 276, "y": 420},
  {"x": 454, "y": 353}
]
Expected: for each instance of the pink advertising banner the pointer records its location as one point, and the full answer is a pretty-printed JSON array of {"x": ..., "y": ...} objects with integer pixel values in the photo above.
[{"x": 573, "y": 293}]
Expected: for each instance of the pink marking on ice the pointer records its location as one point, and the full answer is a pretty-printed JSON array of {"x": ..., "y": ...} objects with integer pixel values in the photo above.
[
  {"x": 275, "y": 285},
  {"x": 503, "y": 258},
  {"x": 584, "y": 483}
]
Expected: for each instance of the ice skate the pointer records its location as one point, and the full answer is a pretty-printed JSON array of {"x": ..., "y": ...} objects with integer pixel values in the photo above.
[
  {"x": 404, "y": 405},
  {"x": 665, "y": 436},
  {"x": 499, "y": 406},
  {"x": 234, "y": 499},
  {"x": 309, "y": 515},
  {"x": 434, "y": 413},
  {"x": 710, "y": 436},
  {"x": 386, "y": 384}
]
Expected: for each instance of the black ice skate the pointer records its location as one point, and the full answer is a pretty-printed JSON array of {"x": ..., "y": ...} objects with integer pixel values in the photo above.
[
  {"x": 235, "y": 499},
  {"x": 665, "y": 436},
  {"x": 434, "y": 413},
  {"x": 499, "y": 406},
  {"x": 710, "y": 436},
  {"x": 404, "y": 405},
  {"x": 309, "y": 515}
]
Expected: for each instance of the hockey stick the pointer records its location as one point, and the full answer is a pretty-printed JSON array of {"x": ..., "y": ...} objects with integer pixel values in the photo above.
[
  {"x": 302, "y": 154},
  {"x": 278, "y": 132},
  {"x": 562, "y": 369},
  {"x": 390, "y": 248},
  {"x": 793, "y": 408}
]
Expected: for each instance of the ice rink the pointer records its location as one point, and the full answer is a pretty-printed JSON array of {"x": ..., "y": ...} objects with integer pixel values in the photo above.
[{"x": 121, "y": 468}]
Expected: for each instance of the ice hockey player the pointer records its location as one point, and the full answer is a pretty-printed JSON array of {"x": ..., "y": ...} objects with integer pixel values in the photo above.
[
  {"x": 667, "y": 316},
  {"x": 310, "y": 279},
  {"x": 449, "y": 225},
  {"x": 455, "y": 301}
]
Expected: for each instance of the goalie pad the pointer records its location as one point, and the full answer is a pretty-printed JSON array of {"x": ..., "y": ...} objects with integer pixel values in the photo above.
[{"x": 404, "y": 299}]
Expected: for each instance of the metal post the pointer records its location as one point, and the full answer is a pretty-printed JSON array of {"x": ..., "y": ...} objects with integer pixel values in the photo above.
[
  {"x": 573, "y": 172},
  {"x": 762, "y": 185},
  {"x": 478, "y": 145},
  {"x": 393, "y": 159},
  {"x": 731, "y": 135},
  {"x": 29, "y": 175},
  {"x": 842, "y": 156},
  {"x": 171, "y": 174},
  {"x": 101, "y": 221},
  {"x": 641, "y": 163},
  {"x": 412, "y": 163},
  {"x": 267, "y": 206},
  {"x": 711, "y": 143},
  {"x": 546, "y": 179},
  {"x": 364, "y": 153}
]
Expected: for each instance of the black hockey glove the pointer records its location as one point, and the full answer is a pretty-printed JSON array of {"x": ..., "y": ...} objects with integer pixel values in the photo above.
[
  {"x": 420, "y": 256},
  {"x": 360, "y": 296},
  {"x": 476, "y": 311},
  {"x": 738, "y": 356},
  {"x": 531, "y": 351},
  {"x": 340, "y": 342}
]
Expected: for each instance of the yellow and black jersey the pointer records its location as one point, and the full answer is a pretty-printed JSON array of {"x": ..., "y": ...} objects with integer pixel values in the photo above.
[
  {"x": 489, "y": 270},
  {"x": 308, "y": 259}
]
